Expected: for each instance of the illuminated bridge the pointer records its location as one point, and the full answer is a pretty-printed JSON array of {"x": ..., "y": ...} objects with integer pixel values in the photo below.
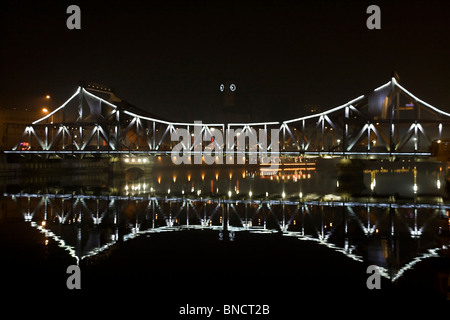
[{"x": 388, "y": 122}]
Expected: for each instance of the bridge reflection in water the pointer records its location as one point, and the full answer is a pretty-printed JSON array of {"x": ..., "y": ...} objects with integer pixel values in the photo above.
[{"x": 394, "y": 236}]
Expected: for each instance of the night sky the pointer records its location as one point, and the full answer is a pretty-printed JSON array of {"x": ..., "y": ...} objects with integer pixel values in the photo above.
[{"x": 169, "y": 57}]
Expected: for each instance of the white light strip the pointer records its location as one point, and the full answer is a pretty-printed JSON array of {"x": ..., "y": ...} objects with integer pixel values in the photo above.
[
  {"x": 102, "y": 100},
  {"x": 384, "y": 85},
  {"x": 252, "y": 124},
  {"x": 421, "y": 101},
  {"x": 145, "y": 118},
  {"x": 173, "y": 123},
  {"x": 326, "y": 112},
  {"x": 59, "y": 108}
]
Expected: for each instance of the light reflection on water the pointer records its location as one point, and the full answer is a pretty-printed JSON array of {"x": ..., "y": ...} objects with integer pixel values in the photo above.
[
  {"x": 394, "y": 217},
  {"x": 403, "y": 178}
]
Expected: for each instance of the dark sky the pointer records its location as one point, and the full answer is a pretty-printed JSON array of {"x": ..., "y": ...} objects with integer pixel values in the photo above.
[{"x": 169, "y": 57}]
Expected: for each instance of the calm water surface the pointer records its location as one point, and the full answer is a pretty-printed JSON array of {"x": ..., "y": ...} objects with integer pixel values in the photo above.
[{"x": 391, "y": 214}]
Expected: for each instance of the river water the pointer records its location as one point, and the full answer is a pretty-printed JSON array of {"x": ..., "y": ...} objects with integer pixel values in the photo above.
[{"x": 240, "y": 235}]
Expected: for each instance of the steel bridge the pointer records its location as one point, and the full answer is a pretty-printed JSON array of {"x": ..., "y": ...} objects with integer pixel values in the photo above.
[
  {"x": 389, "y": 122},
  {"x": 334, "y": 224}
]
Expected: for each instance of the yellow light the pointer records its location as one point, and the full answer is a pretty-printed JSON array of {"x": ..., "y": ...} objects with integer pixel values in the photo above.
[
  {"x": 44, "y": 110},
  {"x": 174, "y": 179},
  {"x": 47, "y": 96},
  {"x": 43, "y": 223}
]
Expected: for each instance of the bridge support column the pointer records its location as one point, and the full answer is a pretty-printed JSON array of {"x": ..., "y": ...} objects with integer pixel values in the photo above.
[{"x": 350, "y": 176}]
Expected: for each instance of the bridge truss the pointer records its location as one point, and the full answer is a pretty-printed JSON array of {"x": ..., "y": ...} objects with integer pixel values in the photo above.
[{"x": 389, "y": 121}]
